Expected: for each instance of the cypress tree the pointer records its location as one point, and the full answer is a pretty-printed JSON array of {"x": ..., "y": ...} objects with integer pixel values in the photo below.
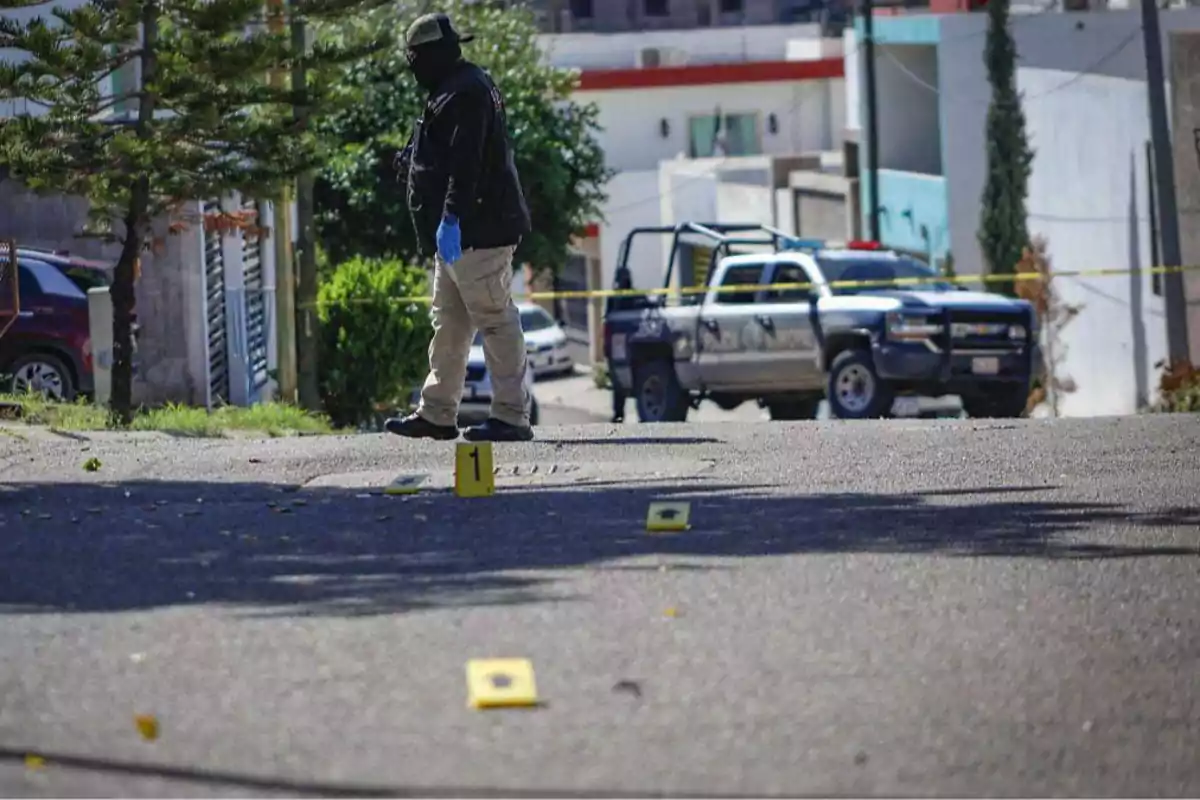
[{"x": 1003, "y": 229}]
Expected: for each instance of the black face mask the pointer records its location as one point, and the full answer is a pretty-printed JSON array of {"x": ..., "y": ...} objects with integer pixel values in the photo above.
[{"x": 432, "y": 63}]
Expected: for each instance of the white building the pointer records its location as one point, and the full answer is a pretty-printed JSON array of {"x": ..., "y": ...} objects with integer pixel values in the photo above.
[
  {"x": 777, "y": 91},
  {"x": 1082, "y": 79}
]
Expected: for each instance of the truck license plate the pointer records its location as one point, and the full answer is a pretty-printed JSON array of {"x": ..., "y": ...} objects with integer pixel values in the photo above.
[{"x": 985, "y": 366}]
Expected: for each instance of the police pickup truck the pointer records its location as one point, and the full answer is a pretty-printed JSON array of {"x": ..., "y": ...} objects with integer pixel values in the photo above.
[{"x": 803, "y": 320}]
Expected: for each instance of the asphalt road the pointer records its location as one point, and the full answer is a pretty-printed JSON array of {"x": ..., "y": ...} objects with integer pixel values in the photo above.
[{"x": 949, "y": 608}]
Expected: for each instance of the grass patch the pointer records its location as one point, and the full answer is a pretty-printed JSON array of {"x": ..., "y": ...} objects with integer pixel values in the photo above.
[{"x": 272, "y": 419}]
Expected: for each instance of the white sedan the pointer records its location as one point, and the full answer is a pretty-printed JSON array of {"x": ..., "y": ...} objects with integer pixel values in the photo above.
[
  {"x": 545, "y": 341},
  {"x": 477, "y": 392}
]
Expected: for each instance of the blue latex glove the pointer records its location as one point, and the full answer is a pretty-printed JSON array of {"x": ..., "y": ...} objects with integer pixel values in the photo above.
[{"x": 449, "y": 239}]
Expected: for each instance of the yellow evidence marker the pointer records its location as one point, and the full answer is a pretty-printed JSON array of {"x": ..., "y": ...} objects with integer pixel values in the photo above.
[
  {"x": 501, "y": 683},
  {"x": 668, "y": 517},
  {"x": 147, "y": 726},
  {"x": 406, "y": 484},
  {"x": 473, "y": 471}
]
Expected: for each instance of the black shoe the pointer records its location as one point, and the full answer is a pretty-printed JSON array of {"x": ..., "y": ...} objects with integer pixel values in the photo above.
[
  {"x": 617, "y": 419},
  {"x": 493, "y": 430},
  {"x": 414, "y": 426}
]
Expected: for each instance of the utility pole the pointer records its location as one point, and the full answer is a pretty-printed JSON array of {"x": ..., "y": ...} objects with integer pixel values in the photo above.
[
  {"x": 285, "y": 268},
  {"x": 306, "y": 286},
  {"x": 1164, "y": 171},
  {"x": 868, "y": 48}
]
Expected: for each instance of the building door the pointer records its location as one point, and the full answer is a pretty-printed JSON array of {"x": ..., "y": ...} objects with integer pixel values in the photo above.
[{"x": 257, "y": 331}]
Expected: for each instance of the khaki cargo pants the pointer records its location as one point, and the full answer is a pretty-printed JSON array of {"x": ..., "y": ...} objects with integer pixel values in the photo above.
[{"x": 475, "y": 293}]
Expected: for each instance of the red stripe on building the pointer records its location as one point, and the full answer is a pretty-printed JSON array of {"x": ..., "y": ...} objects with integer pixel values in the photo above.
[{"x": 709, "y": 74}]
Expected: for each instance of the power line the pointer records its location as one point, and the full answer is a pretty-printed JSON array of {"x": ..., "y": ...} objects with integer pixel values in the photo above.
[{"x": 1075, "y": 78}]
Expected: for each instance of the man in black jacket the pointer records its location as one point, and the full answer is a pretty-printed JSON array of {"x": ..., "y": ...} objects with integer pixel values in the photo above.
[{"x": 469, "y": 212}]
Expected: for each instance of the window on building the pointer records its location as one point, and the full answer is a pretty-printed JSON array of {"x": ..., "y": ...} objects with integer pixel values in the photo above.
[
  {"x": 656, "y": 8},
  {"x": 741, "y": 275},
  {"x": 581, "y": 9},
  {"x": 731, "y": 6},
  {"x": 737, "y": 135}
]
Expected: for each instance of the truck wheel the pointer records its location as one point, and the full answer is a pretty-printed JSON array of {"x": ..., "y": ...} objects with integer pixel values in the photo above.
[
  {"x": 657, "y": 392},
  {"x": 43, "y": 374},
  {"x": 855, "y": 390},
  {"x": 1006, "y": 403},
  {"x": 794, "y": 409}
]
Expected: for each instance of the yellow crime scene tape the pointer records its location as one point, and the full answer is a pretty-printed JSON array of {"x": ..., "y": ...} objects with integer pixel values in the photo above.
[{"x": 587, "y": 294}]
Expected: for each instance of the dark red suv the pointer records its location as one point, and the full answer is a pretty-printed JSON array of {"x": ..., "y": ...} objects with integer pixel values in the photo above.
[{"x": 48, "y": 349}]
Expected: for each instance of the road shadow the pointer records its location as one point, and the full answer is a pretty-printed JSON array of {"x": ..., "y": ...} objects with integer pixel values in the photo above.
[{"x": 272, "y": 549}]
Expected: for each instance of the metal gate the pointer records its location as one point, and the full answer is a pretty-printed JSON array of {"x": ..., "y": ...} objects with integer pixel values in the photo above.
[
  {"x": 214, "y": 288},
  {"x": 256, "y": 303}
]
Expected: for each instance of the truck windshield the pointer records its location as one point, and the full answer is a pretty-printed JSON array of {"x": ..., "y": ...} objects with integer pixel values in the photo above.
[{"x": 880, "y": 272}]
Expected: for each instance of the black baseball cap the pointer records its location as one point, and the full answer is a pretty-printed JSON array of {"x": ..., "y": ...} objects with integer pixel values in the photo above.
[{"x": 430, "y": 28}]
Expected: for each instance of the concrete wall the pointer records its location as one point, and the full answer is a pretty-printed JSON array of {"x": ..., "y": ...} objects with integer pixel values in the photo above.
[
  {"x": 823, "y": 206},
  {"x": 1184, "y": 70},
  {"x": 631, "y": 118},
  {"x": 634, "y": 200},
  {"x": 1089, "y": 198},
  {"x": 852, "y": 97},
  {"x": 740, "y": 202},
  {"x": 909, "y": 128},
  {"x": 913, "y": 212},
  {"x": 585, "y": 48}
]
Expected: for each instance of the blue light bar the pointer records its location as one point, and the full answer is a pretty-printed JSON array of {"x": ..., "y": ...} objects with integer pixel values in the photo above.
[{"x": 792, "y": 243}]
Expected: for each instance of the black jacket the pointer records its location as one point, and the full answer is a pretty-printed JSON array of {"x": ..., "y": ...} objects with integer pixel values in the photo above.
[{"x": 459, "y": 162}]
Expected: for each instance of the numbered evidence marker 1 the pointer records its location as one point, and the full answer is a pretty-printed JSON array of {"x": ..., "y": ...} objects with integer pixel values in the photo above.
[
  {"x": 473, "y": 475},
  {"x": 668, "y": 517},
  {"x": 405, "y": 484},
  {"x": 500, "y": 683}
]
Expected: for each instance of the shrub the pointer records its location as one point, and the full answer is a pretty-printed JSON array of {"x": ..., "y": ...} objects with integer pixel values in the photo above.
[
  {"x": 600, "y": 375},
  {"x": 1053, "y": 315},
  {"x": 1179, "y": 388},
  {"x": 373, "y": 347}
]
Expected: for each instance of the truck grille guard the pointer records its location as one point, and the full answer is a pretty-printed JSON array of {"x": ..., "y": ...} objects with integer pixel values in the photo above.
[{"x": 945, "y": 342}]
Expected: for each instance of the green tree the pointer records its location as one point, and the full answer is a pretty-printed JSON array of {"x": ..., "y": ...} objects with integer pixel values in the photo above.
[
  {"x": 202, "y": 121},
  {"x": 1003, "y": 228},
  {"x": 361, "y": 207}
]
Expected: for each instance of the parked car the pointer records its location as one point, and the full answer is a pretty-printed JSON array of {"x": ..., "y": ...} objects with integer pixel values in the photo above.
[
  {"x": 545, "y": 342},
  {"x": 477, "y": 390},
  {"x": 48, "y": 349},
  {"x": 83, "y": 272},
  {"x": 861, "y": 347}
]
